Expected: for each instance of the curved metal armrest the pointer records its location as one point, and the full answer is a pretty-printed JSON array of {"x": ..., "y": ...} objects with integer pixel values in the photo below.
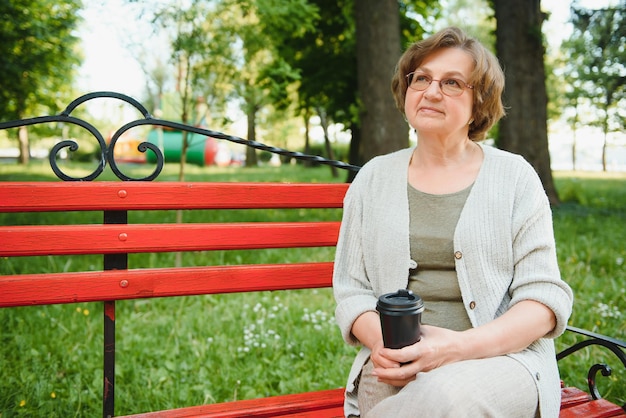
[{"x": 616, "y": 346}]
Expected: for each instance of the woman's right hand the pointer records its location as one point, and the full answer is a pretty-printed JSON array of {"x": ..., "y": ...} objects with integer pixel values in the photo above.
[{"x": 379, "y": 359}]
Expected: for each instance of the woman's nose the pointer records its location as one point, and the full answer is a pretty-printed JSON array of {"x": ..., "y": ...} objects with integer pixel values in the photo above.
[{"x": 433, "y": 90}]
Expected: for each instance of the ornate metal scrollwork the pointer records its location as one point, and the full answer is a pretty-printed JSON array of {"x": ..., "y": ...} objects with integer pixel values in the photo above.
[
  {"x": 107, "y": 152},
  {"x": 614, "y": 345}
]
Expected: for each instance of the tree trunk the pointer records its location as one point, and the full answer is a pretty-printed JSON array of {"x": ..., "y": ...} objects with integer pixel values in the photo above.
[
  {"x": 329, "y": 149},
  {"x": 574, "y": 151},
  {"x": 251, "y": 159},
  {"x": 378, "y": 48},
  {"x": 355, "y": 144},
  {"x": 519, "y": 47},
  {"x": 307, "y": 142},
  {"x": 22, "y": 136},
  {"x": 575, "y": 136},
  {"x": 184, "y": 146},
  {"x": 604, "y": 149}
]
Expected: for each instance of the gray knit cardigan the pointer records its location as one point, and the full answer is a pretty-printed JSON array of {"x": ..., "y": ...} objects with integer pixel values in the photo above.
[{"x": 504, "y": 251}]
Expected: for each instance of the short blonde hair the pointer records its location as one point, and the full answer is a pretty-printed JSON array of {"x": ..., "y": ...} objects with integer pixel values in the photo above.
[{"x": 487, "y": 76}]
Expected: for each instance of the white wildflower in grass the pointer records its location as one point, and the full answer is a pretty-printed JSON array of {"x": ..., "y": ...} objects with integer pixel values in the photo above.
[
  {"x": 619, "y": 261},
  {"x": 607, "y": 311},
  {"x": 318, "y": 318},
  {"x": 257, "y": 334}
]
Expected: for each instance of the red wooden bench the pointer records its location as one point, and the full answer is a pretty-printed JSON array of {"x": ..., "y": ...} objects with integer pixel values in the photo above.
[{"x": 116, "y": 239}]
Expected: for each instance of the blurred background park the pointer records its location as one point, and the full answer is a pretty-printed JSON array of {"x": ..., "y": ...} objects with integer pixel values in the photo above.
[
  {"x": 310, "y": 76},
  {"x": 307, "y": 75}
]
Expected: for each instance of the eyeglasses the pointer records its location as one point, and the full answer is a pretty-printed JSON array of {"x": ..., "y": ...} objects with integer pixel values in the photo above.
[{"x": 449, "y": 86}]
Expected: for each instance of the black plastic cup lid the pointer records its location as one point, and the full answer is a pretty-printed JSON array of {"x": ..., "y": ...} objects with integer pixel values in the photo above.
[{"x": 402, "y": 300}]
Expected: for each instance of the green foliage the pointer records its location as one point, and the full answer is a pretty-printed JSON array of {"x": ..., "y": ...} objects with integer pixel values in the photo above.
[
  {"x": 174, "y": 352},
  {"x": 39, "y": 56},
  {"x": 325, "y": 55},
  {"x": 595, "y": 62}
]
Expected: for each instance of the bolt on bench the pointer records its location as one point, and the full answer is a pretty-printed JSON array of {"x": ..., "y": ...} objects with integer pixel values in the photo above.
[{"x": 115, "y": 239}]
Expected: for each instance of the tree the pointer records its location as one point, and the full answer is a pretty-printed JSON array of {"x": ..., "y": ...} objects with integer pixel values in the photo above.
[
  {"x": 596, "y": 67},
  {"x": 474, "y": 16},
  {"x": 39, "y": 58},
  {"x": 378, "y": 48},
  {"x": 326, "y": 59},
  {"x": 519, "y": 46},
  {"x": 199, "y": 61},
  {"x": 263, "y": 77}
]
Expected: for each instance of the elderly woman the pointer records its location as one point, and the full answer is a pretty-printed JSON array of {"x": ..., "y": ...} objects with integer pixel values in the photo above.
[{"x": 467, "y": 227}]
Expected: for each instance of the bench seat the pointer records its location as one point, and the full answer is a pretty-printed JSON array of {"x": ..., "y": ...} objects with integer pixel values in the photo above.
[
  {"x": 322, "y": 404},
  {"x": 575, "y": 403}
]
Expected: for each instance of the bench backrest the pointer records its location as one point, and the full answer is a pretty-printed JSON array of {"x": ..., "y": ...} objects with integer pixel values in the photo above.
[{"x": 115, "y": 237}]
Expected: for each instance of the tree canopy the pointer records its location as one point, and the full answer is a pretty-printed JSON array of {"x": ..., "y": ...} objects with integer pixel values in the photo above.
[
  {"x": 595, "y": 71},
  {"x": 39, "y": 54}
]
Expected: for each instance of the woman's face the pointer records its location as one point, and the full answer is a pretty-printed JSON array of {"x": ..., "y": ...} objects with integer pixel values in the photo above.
[{"x": 431, "y": 112}]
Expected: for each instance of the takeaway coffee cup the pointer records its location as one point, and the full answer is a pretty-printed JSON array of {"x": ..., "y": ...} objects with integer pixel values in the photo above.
[{"x": 400, "y": 316}]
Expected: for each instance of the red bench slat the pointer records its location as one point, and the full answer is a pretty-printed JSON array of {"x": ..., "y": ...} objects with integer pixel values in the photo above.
[
  {"x": 107, "y": 239},
  {"x": 576, "y": 403},
  {"x": 321, "y": 404},
  {"x": 85, "y": 196},
  {"x": 44, "y": 289},
  {"x": 600, "y": 408}
]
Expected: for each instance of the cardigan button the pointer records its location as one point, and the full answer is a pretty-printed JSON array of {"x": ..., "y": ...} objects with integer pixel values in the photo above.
[
  {"x": 458, "y": 255},
  {"x": 472, "y": 305}
]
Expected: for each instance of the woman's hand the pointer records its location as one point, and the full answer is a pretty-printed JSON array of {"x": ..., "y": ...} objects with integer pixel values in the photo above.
[
  {"x": 515, "y": 330},
  {"x": 436, "y": 348}
]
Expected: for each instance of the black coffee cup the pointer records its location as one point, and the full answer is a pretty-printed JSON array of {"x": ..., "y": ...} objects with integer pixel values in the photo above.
[{"x": 400, "y": 317}]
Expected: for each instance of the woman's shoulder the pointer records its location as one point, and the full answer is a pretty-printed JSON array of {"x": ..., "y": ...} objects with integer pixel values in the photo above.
[
  {"x": 388, "y": 161},
  {"x": 510, "y": 171},
  {"x": 495, "y": 152},
  {"x": 507, "y": 158},
  {"x": 384, "y": 171}
]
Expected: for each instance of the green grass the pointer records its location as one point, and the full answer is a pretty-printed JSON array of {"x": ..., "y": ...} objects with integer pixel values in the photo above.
[
  {"x": 590, "y": 227},
  {"x": 175, "y": 352}
]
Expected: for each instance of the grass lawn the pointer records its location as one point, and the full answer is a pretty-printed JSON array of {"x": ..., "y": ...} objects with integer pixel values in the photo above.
[{"x": 174, "y": 352}]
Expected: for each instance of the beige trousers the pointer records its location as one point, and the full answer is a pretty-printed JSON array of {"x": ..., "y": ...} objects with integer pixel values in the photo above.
[{"x": 493, "y": 387}]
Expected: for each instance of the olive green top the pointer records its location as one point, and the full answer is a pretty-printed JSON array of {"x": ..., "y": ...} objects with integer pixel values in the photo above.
[{"x": 433, "y": 219}]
